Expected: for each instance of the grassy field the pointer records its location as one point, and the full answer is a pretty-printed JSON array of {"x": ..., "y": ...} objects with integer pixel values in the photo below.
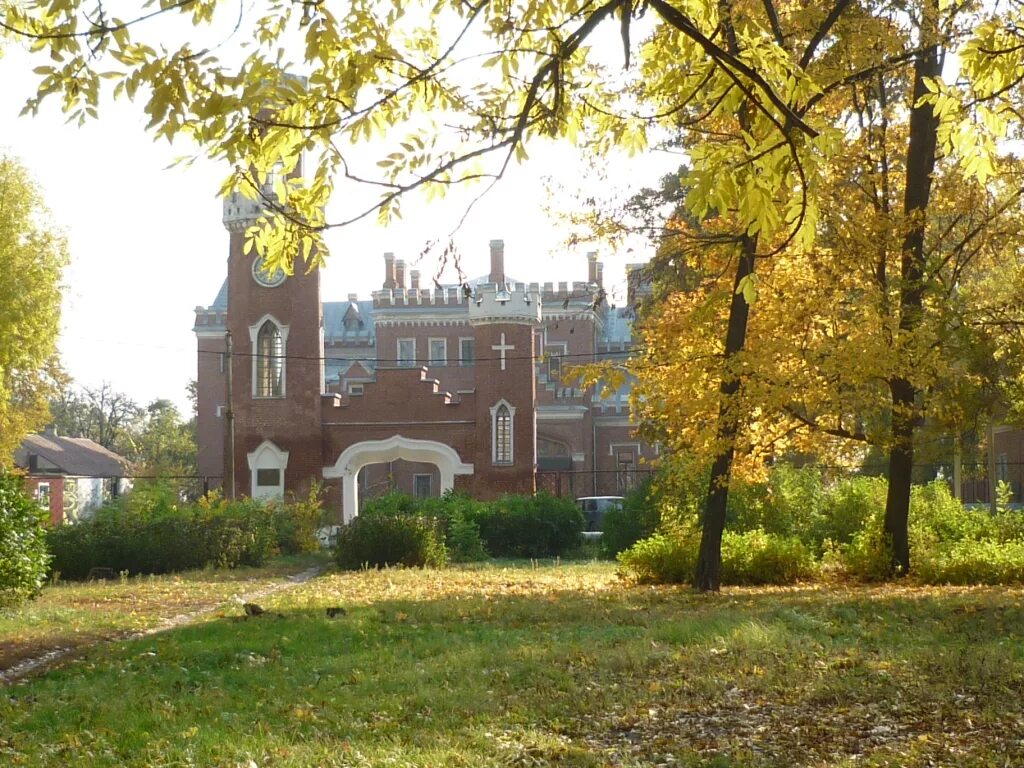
[
  {"x": 73, "y": 614},
  {"x": 560, "y": 665}
]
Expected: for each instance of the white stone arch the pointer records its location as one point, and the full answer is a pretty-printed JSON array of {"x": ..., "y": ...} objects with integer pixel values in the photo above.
[
  {"x": 267, "y": 456},
  {"x": 358, "y": 455}
]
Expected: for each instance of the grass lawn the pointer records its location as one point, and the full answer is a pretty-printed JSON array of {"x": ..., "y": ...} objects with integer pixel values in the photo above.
[
  {"x": 560, "y": 665},
  {"x": 71, "y": 614}
]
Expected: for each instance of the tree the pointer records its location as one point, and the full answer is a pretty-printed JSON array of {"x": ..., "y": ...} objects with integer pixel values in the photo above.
[
  {"x": 32, "y": 255},
  {"x": 164, "y": 444},
  {"x": 102, "y": 414}
]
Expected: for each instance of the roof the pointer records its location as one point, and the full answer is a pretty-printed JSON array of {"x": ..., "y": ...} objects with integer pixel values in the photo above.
[
  {"x": 78, "y": 456},
  {"x": 221, "y": 300}
]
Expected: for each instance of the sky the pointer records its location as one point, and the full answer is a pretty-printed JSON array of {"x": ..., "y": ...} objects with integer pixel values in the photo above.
[{"x": 147, "y": 244}]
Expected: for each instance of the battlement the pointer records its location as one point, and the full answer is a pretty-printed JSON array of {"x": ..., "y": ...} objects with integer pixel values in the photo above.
[
  {"x": 451, "y": 296},
  {"x": 507, "y": 304}
]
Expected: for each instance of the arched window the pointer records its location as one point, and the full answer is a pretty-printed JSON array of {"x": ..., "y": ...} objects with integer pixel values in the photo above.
[
  {"x": 269, "y": 361},
  {"x": 502, "y": 415}
]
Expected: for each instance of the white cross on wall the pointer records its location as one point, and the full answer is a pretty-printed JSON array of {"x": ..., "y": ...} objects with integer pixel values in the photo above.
[{"x": 502, "y": 348}]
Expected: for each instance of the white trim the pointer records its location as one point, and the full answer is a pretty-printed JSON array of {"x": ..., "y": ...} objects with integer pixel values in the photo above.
[
  {"x": 267, "y": 456},
  {"x": 358, "y": 455},
  {"x": 399, "y": 362},
  {"x": 430, "y": 352},
  {"x": 561, "y": 412},
  {"x": 511, "y": 433},
  {"x": 254, "y": 332},
  {"x": 612, "y": 447},
  {"x": 613, "y": 421}
]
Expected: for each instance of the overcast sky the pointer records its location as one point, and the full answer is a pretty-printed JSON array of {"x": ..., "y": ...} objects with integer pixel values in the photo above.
[{"x": 147, "y": 244}]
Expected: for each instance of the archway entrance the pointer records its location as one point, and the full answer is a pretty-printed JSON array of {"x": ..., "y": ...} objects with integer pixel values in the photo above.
[{"x": 358, "y": 455}]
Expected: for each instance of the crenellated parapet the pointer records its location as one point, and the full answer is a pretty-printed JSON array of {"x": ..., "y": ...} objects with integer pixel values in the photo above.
[
  {"x": 515, "y": 304},
  {"x": 210, "y": 321}
]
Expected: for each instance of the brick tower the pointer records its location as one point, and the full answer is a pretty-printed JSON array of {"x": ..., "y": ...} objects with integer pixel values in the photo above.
[
  {"x": 277, "y": 369},
  {"x": 504, "y": 318}
]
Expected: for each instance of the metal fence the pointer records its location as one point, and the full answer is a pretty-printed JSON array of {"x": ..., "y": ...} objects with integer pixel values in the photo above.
[
  {"x": 975, "y": 487},
  {"x": 577, "y": 483}
]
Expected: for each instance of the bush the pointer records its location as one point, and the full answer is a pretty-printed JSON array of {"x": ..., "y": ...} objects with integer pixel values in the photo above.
[
  {"x": 751, "y": 557},
  {"x": 530, "y": 526},
  {"x": 457, "y": 514},
  {"x": 660, "y": 559},
  {"x": 971, "y": 562},
  {"x": 23, "y": 553},
  {"x": 635, "y": 520},
  {"x": 381, "y": 539},
  {"x": 164, "y": 538},
  {"x": 849, "y": 505},
  {"x": 296, "y": 523},
  {"x": 757, "y": 557}
]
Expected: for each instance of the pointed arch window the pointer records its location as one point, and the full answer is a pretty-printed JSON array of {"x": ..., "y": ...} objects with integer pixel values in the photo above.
[
  {"x": 269, "y": 339},
  {"x": 502, "y": 419}
]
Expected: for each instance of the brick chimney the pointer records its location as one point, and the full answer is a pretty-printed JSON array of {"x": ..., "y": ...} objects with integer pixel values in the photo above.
[
  {"x": 400, "y": 274},
  {"x": 389, "y": 272},
  {"x": 497, "y": 262},
  {"x": 592, "y": 268},
  {"x": 636, "y": 284},
  {"x": 415, "y": 277}
]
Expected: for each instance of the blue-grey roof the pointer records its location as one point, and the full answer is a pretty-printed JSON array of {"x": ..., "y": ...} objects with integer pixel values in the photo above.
[
  {"x": 335, "y": 313},
  {"x": 221, "y": 302}
]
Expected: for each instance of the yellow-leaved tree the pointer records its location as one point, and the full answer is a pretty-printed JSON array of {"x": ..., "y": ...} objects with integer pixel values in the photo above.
[{"x": 32, "y": 257}]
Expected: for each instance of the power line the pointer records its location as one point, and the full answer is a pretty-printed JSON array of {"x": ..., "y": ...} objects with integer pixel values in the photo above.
[{"x": 596, "y": 356}]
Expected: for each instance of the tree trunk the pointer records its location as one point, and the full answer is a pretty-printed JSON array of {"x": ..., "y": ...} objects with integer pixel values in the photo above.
[
  {"x": 709, "y": 561},
  {"x": 901, "y": 462},
  {"x": 905, "y": 408}
]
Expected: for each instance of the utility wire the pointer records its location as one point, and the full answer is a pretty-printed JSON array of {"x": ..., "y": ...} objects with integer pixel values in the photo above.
[{"x": 596, "y": 356}]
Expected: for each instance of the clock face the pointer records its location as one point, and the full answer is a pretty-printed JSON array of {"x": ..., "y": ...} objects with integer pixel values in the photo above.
[{"x": 264, "y": 278}]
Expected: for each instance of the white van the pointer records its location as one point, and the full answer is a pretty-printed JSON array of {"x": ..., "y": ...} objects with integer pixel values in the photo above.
[{"x": 593, "y": 508}]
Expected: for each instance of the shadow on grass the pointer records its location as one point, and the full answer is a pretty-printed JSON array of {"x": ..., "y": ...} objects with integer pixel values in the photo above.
[{"x": 623, "y": 676}]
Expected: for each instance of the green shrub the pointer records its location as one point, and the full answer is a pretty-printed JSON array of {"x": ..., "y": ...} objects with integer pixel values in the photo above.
[
  {"x": 934, "y": 510},
  {"x": 750, "y": 557},
  {"x": 635, "y": 520},
  {"x": 758, "y": 557},
  {"x": 868, "y": 556},
  {"x": 23, "y": 553},
  {"x": 382, "y": 539},
  {"x": 660, "y": 559},
  {"x": 970, "y": 562},
  {"x": 849, "y": 504},
  {"x": 530, "y": 526},
  {"x": 456, "y": 512},
  {"x": 296, "y": 523},
  {"x": 128, "y": 536}
]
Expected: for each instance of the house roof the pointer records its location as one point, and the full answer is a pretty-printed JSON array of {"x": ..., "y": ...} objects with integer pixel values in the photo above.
[{"x": 78, "y": 456}]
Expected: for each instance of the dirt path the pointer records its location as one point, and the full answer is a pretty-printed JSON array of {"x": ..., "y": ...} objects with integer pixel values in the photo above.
[{"x": 50, "y": 658}]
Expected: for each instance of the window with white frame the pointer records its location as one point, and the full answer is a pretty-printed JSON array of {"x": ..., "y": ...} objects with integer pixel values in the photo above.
[
  {"x": 502, "y": 420},
  {"x": 438, "y": 352},
  {"x": 467, "y": 351},
  {"x": 267, "y": 465},
  {"x": 355, "y": 389},
  {"x": 43, "y": 495},
  {"x": 406, "y": 353},
  {"x": 269, "y": 371},
  {"x": 555, "y": 353}
]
